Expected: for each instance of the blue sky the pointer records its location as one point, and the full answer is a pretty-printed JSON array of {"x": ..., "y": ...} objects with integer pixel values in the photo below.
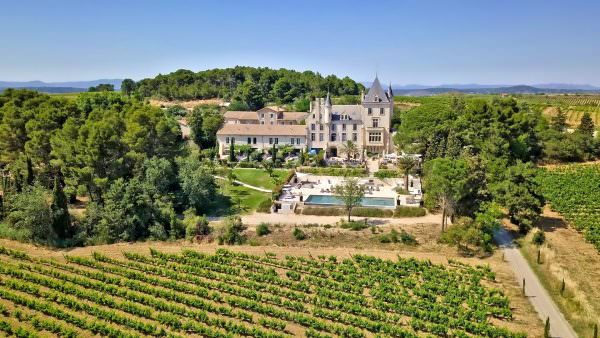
[{"x": 420, "y": 41}]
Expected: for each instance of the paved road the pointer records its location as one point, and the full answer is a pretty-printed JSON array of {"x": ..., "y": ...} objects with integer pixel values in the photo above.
[{"x": 537, "y": 295}]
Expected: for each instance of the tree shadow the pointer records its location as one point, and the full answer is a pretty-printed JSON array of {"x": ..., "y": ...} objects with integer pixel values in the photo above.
[{"x": 550, "y": 223}]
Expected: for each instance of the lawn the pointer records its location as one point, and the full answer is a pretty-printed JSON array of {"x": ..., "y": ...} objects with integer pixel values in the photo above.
[
  {"x": 235, "y": 199},
  {"x": 259, "y": 177}
]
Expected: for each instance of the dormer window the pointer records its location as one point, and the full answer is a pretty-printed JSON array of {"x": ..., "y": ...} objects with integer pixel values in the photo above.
[{"x": 369, "y": 111}]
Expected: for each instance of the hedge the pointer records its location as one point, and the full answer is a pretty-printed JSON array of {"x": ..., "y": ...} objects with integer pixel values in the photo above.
[
  {"x": 400, "y": 211},
  {"x": 387, "y": 173},
  {"x": 265, "y": 206},
  {"x": 327, "y": 171}
]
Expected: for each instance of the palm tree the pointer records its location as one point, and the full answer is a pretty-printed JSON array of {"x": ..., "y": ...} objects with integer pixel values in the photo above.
[
  {"x": 350, "y": 149},
  {"x": 406, "y": 165}
]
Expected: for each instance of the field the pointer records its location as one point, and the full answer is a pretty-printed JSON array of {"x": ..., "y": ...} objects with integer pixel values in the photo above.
[
  {"x": 227, "y": 293},
  {"x": 574, "y": 192}
]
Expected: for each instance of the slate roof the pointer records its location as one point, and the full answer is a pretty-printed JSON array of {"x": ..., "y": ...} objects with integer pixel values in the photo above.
[{"x": 376, "y": 93}]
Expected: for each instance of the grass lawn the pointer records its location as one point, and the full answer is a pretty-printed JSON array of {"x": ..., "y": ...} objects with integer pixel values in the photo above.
[
  {"x": 235, "y": 199},
  {"x": 259, "y": 177}
]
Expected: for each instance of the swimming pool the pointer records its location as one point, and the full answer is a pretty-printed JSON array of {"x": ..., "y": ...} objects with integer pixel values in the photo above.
[{"x": 379, "y": 202}]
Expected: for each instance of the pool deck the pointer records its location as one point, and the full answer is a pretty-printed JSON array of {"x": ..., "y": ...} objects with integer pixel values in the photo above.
[{"x": 323, "y": 185}]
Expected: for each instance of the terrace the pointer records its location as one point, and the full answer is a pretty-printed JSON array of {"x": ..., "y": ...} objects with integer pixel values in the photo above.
[{"x": 315, "y": 190}]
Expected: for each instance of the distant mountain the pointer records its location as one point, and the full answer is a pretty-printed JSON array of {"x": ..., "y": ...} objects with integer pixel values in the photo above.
[
  {"x": 50, "y": 89},
  {"x": 521, "y": 89},
  {"x": 566, "y": 86},
  {"x": 72, "y": 84}
]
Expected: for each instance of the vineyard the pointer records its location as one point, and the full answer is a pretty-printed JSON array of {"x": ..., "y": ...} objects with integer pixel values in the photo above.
[
  {"x": 574, "y": 191},
  {"x": 229, "y": 294}
]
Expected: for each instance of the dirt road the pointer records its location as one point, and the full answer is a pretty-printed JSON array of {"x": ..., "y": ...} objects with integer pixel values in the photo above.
[
  {"x": 535, "y": 292},
  {"x": 257, "y": 218}
]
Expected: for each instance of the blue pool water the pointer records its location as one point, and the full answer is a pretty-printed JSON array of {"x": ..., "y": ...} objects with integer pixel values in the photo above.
[{"x": 381, "y": 202}]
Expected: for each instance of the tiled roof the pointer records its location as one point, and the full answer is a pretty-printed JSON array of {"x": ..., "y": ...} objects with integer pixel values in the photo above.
[
  {"x": 294, "y": 115},
  {"x": 240, "y": 115},
  {"x": 263, "y": 130}
]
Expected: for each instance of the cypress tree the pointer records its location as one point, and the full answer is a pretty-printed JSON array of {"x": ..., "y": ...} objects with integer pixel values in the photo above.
[
  {"x": 61, "y": 220},
  {"x": 562, "y": 287},
  {"x": 595, "y": 330},
  {"x": 559, "y": 122},
  {"x": 30, "y": 176},
  {"x": 274, "y": 152},
  {"x": 232, "y": 151},
  {"x": 547, "y": 328},
  {"x": 586, "y": 127}
]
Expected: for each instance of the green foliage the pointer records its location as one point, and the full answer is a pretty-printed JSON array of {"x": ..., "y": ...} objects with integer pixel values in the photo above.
[
  {"x": 350, "y": 192},
  {"x": 398, "y": 237},
  {"x": 573, "y": 191},
  {"x": 29, "y": 215},
  {"x": 349, "y": 172},
  {"x": 354, "y": 225},
  {"x": 265, "y": 206},
  {"x": 253, "y": 86},
  {"x": 232, "y": 232},
  {"x": 386, "y": 173},
  {"x": 263, "y": 229},
  {"x": 103, "y": 87},
  {"x": 586, "y": 127},
  {"x": 539, "y": 237},
  {"x": 197, "y": 184},
  {"x": 195, "y": 225},
  {"x": 403, "y": 211},
  {"x": 204, "y": 122},
  {"x": 471, "y": 235},
  {"x": 299, "y": 235},
  {"x": 59, "y": 209},
  {"x": 229, "y": 293},
  {"x": 128, "y": 87}
]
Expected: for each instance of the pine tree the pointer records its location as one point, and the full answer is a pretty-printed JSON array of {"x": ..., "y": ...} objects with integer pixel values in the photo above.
[
  {"x": 61, "y": 220},
  {"x": 586, "y": 127},
  {"x": 547, "y": 328}
]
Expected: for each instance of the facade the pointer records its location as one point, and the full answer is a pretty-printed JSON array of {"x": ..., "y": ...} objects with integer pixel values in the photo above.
[{"x": 327, "y": 127}]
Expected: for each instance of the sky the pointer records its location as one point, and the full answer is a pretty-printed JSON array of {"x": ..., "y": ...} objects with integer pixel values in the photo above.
[{"x": 404, "y": 41}]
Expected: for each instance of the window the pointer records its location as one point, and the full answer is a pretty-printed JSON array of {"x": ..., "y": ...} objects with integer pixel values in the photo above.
[
  {"x": 354, "y": 127},
  {"x": 262, "y": 122},
  {"x": 277, "y": 140},
  {"x": 233, "y": 140},
  {"x": 343, "y": 136},
  {"x": 271, "y": 122},
  {"x": 369, "y": 111},
  {"x": 321, "y": 137},
  {"x": 354, "y": 137},
  {"x": 249, "y": 140},
  {"x": 298, "y": 141},
  {"x": 375, "y": 137},
  {"x": 313, "y": 116},
  {"x": 312, "y": 126},
  {"x": 262, "y": 115},
  {"x": 292, "y": 141},
  {"x": 375, "y": 123},
  {"x": 333, "y": 137},
  {"x": 270, "y": 140},
  {"x": 271, "y": 115},
  {"x": 321, "y": 127},
  {"x": 227, "y": 140},
  {"x": 381, "y": 111},
  {"x": 333, "y": 127},
  {"x": 312, "y": 136},
  {"x": 343, "y": 127},
  {"x": 254, "y": 140}
]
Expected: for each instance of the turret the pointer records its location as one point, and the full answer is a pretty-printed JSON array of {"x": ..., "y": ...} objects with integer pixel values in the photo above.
[
  {"x": 327, "y": 112},
  {"x": 390, "y": 93}
]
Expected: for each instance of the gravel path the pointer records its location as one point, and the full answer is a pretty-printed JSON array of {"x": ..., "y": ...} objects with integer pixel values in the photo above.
[{"x": 535, "y": 292}]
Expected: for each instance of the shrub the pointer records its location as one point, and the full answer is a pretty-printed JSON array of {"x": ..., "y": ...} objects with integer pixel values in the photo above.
[
  {"x": 330, "y": 171},
  {"x": 407, "y": 238},
  {"x": 233, "y": 231},
  {"x": 195, "y": 225},
  {"x": 263, "y": 229},
  {"x": 387, "y": 173},
  {"x": 358, "y": 212},
  {"x": 265, "y": 206},
  {"x": 539, "y": 237},
  {"x": 354, "y": 225},
  {"x": 402, "y": 211},
  {"x": 299, "y": 234}
]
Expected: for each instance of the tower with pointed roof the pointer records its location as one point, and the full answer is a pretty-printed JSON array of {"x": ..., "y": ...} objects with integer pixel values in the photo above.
[{"x": 366, "y": 124}]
